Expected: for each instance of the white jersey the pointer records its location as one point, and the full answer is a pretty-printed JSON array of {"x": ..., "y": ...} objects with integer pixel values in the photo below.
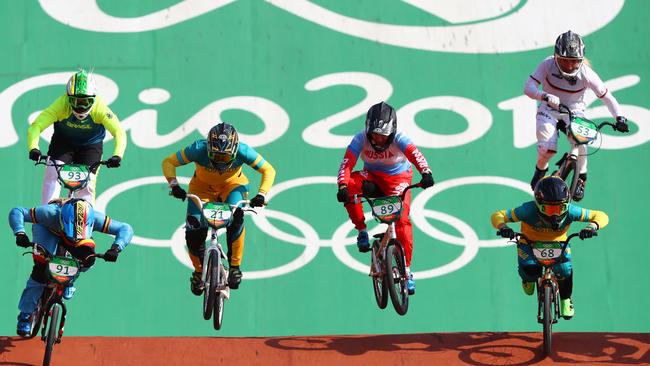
[{"x": 571, "y": 93}]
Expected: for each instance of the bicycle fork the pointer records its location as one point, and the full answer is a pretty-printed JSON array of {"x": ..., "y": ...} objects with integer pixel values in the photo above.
[
  {"x": 379, "y": 247},
  {"x": 547, "y": 279}
]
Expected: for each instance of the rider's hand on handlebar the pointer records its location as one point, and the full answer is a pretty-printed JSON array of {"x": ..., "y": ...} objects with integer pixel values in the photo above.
[
  {"x": 343, "y": 195},
  {"x": 621, "y": 124},
  {"x": 22, "y": 240},
  {"x": 35, "y": 154},
  {"x": 113, "y": 162},
  {"x": 112, "y": 254},
  {"x": 552, "y": 100},
  {"x": 587, "y": 233},
  {"x": 427, "y": 180},
  {"x": 179, "y": 192},
  {"x": 257, "y": 201},
  {"x": 506, "y": 232}
]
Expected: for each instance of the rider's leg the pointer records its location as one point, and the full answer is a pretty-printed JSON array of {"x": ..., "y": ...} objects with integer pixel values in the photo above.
[
  {"x": 546, "y": 143},
  {"x": 85, "y": 253},
  {"x": 355, "y": 210},
  {"x": 582, "y": 168},
  {"x": 528, "y": 269},
  {"x": 60, "y": 152},
  {"x": 564, "y": 275},
  {"x": 235, "y": 236},
  {"x": 89, "y": 155},
  {"x": 195, "y": 233}
]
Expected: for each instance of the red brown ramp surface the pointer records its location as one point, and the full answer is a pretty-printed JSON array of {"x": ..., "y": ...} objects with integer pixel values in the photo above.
[{"x": 408, "y": 349}]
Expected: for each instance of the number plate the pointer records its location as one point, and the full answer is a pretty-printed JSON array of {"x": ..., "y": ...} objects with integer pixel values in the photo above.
[
  {"x": 217, "y": 214},
  {"x": 386, "y": 209},
  {"x": 547, "y": 252},
  {"x": 63, "y": 267},
  {"x": 583, "y": 130},
  {"x": 73, "y": 175}
]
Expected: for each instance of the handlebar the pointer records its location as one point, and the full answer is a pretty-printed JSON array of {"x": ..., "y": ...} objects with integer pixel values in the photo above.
[
  {"x": 49, "y": 255},
  {"x": 239, "y": 204},
  {"x": 401, "y": 196},
  {"x": 566, "y": 110},
  {"x": 48, "y": 161}
]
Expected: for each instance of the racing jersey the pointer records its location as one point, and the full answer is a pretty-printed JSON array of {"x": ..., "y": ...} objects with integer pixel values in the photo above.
[
  {"x": 536, "y": 229},
  {"x": 48, "y": 216},
  {"x": 394, "y": 160},
  {"x": 78, "y": 133},
  {"x": 197, "y": 152},
  {"x": 571, "y": 91}
]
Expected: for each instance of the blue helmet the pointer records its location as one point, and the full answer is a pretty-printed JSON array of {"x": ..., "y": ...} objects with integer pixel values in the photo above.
[{"x": 77, "y": 219}]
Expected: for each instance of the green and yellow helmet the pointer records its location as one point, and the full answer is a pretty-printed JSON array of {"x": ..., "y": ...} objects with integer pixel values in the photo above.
[
  {"x": 81, "y": 90},
  {"x": 223, "y": 143}
]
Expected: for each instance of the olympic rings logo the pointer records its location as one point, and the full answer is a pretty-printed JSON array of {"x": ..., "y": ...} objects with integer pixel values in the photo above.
[{"x": 340, "y": 240}]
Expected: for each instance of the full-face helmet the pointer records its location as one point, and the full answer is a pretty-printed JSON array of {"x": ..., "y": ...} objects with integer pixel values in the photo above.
[
  {"x": 81, "y": 90},
  {"x": 223, "y": 143},
  {"x": 381, "y": 126}
]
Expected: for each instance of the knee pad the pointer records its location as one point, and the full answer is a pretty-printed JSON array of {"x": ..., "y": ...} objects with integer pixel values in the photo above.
[
  {"x": 236, "y": 226},
  {"x": 39, "y": 273},
  {"x": 195, "y": 240}
]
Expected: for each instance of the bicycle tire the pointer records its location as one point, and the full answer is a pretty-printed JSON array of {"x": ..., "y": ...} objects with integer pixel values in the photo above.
[
  {"x": 396, "y": 277},
  {"x": 52, "y": 334},
  {"x": 217, "y": 317},
  {"x": 208, "y": 291},
  {"x": 548, "y": 318},
  {"x": 570, "y": 169},
  {"x": 379, "y": 286}
]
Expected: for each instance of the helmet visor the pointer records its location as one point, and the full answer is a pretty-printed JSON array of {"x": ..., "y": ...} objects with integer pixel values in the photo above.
[
  {"x": 555, "y": 209},
  {"x": 81, "y": 103},
  {"x": 569, "y": 65},
  {"x": 220, "y": 157}
]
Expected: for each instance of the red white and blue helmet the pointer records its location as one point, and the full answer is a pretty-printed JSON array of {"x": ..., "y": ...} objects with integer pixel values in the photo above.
[{"x": 77, "y": 220}]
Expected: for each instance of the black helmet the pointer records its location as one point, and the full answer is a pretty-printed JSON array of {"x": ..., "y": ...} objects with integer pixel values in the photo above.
[
  {"x": 223, "y": 142},
  {"x": 552, "y": 200},
  {"x": 569, "y": 48},
  {"x": 381, "y": 119}
]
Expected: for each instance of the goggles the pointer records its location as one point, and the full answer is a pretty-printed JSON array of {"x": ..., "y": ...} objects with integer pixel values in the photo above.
[
  {"x": 83, "y": 103},
  {"x": 556, "y": 209},
  {"x": 220, "y": 157}
]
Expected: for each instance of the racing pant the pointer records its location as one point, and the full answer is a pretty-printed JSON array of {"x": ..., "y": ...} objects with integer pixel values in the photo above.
[
  {"x": 530, "y": 270},
  {"x": 547, "y": 136},
  {"x": 38, "y": 278},
  {"x": 389, "y": 185},
  {"x": 196, "y": 229},
  {"x": 63, "y": 152}
]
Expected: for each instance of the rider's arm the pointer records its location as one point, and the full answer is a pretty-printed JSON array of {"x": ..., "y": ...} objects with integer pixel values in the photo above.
[
  {"x": 598, "y": 218},
  {"x": 502, "y": 217},
  {"x": 47, "y": 117},
  {"x": 122, "y": 231},
  {"x": 412, "y": 153},
  {"x": 601, "y": 91},
  {"x": 257, "y": 162},
  {"x": 47, "y": 215},
  {"x": 102, "y": 114},
  {"x": 350, "y": 159},
  {"x": 531, "y": 89},
  {"x": 170, "y": 163}
]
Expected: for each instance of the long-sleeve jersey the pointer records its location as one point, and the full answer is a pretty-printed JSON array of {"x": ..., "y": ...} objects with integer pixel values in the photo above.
[
  {"x": 536, "y": 229},
  {"x": 78, "y": 133},
  {"x": 570, "y": 92},
  {"x": 394, "y": 160},
  {"x": 197, "y": 152},
  {"x": 49, "y": 216}
]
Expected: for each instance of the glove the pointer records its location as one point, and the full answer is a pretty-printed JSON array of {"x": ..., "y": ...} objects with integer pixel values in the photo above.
[
  {"x": 427, "y": 180},
  {"x": 621, "y": 124},
  {"x": 343, "y": 195},
  {"x": 587, "y": 233},
  {"x": 35, "y": 154},
  {"x": 113, "y": 162},
  {"x": 22, "y": 240},
  {"x": 506, "y": 232},
  {"x": 112, "y": 254},
  {"x": 552, "y": 100},
  {"x": 179, "y": 192},
  {"x": 257, "y": 201}
]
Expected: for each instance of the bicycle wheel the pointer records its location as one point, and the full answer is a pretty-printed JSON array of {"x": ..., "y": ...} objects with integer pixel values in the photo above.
[
  {"x": 396, "y": 277},
  {"x": 211, "y": 280},
  {"x": 218, "y": 302},
  {"x": 378, "y": 280},
  {"x": 548, "y": 318},
  {"x": 52, "y": 334},
  {"x": 569, "y": 175}
]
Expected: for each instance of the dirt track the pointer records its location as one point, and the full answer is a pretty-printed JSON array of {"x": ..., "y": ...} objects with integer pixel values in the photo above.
[{"x": 411, "y": 349}]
